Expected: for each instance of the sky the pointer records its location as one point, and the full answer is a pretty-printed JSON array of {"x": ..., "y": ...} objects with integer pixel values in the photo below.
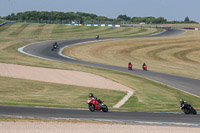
[{"x": 169, "y": 9}]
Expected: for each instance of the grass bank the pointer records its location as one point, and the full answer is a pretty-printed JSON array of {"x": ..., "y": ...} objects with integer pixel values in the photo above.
[
  {"x": 177, "y": 55},
  {"x": 41, "y": 32},
  {"x": 35, "y": 93}
]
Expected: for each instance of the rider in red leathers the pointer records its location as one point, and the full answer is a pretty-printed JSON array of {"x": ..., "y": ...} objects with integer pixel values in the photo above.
[{"x": 129, "y": 66}]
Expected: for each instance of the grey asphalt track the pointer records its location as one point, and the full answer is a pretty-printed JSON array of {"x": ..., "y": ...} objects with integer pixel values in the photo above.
[
  {"x": 43, "y": 50},
  {"x": 125, "y": 117}
]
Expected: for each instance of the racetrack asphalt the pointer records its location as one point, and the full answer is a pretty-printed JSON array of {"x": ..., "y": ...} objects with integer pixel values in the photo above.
[{"x": 43, "y": 50}]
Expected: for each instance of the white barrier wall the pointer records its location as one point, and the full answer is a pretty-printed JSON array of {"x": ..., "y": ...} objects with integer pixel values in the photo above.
[
  {"x": 109, "y": 25},
  {"x": 75, "y": 24}
]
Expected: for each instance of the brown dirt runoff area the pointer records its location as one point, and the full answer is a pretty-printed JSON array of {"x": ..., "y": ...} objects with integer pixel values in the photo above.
[
  {"x": 68, "y": 127},
  {"x": 64, "y": 77}
]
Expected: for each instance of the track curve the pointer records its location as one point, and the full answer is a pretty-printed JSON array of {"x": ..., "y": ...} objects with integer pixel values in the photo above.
[{"x": 43, "y": 50}]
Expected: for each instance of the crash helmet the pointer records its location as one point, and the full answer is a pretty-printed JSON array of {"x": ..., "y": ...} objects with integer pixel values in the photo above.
[
  {"x": 181, "y": 101},
  {"x": 90, "y": 95}
]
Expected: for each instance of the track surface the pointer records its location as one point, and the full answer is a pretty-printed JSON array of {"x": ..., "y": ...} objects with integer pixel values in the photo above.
[
  {"x": 43, "y": 50},
  {"x": 126, "y": 117}
]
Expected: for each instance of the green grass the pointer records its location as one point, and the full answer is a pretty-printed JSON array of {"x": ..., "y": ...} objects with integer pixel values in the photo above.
[
  {"x": 19, "y": 30},
  {"x": 3, "y": 28},
  {"x": 149, "y": 95},
  {"x": 35, "y": 93},
  {"x": 38, "y": 30},
  {"x": 53, "y": 32},
  {"x": 177, "y": 55}
]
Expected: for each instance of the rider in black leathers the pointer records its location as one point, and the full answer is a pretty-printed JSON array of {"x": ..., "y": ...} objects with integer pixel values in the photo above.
[
  {"x": 187, "y": 108},
  {"x": 55, "y": 45},
  {"x": 183, "y": 103}
]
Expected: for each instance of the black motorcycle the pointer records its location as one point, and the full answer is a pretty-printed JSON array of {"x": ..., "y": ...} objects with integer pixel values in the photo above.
[
  {"x": 97, "y": 37},
  {"x": 187, "y": 108},
  {"x": 55, "y": 46}
]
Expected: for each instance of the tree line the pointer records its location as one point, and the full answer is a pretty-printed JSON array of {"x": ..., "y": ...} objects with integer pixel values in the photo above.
[{"x": 83, "y": 18}]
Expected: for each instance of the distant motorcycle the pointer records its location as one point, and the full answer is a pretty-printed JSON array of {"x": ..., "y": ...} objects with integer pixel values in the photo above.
[
  {"x": 145, "y": 68},
  {"x": 130, "y": 66},
  {"x": 97, "y": 37},
  {"x": 94, "y": 104},
  {"x": 55, "y": 46},
  {"x": 187, "y": 108}
]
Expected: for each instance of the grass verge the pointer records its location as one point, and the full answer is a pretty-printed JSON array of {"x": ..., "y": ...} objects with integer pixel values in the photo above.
[{"x": 35, "y": 93}]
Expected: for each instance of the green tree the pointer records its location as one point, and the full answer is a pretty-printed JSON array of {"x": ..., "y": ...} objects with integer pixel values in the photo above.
[
  {"x": 187, "y": 19},
  {"x": 159, "y": 20},
  {"x": 124, "y": 17}
]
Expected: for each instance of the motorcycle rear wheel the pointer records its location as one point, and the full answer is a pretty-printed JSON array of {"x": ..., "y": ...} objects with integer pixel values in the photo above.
[{"x": 194, "y": 111}]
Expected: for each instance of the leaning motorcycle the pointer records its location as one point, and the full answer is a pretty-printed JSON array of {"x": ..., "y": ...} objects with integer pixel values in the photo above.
[
  {"x": 54, "y": 47},
  {"x": 188, "y": 109},
  {"x": 94, "y": 104}
]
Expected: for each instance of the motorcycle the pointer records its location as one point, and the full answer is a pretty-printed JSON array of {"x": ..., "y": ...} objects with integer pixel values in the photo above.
[
  {"x": 54, "y": 47},
  {"x": 97, "y": 37},
  {"x": 145, "y": 68},
  {"x": 94, "y": 104},
  {"x": 187, "y": 108},
  {"x": 130, "y": 67}
]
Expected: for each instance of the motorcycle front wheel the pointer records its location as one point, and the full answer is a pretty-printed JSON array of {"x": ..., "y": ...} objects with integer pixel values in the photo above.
[
  {"x": 105, "y": 109},
  {"x": 186, "y": 111},
  {"x": 91, "y": 107}
]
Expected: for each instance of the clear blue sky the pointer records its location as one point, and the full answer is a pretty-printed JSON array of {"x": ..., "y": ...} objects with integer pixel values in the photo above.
[{"x": 169, "y": 9}]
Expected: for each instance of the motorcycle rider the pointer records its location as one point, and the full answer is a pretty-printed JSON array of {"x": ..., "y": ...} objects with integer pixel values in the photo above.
[
  {"x": 130, "y": 66},
  {"x": 143, "y": 66},
  {"x": 187, "y": 108},
  {"x": 97, "y": 36},
  {"x": 95, "y": 98},
  {"x": 55, "y": 45},
  {"x": 183, "y": 103}
]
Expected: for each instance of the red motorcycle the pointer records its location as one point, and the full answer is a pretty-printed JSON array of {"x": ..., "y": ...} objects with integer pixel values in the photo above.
[
  {"x": 94, "y": 104},
  {"x": 145, "y": 68},
  {"x": 130, "y": 66}
]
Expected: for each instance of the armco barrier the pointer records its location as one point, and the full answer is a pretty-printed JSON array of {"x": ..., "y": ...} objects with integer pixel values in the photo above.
[
  {"x": 75, "y": 24},
  {"x": 7, "y": 22},
  {"x": 2, "y": 24}
]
